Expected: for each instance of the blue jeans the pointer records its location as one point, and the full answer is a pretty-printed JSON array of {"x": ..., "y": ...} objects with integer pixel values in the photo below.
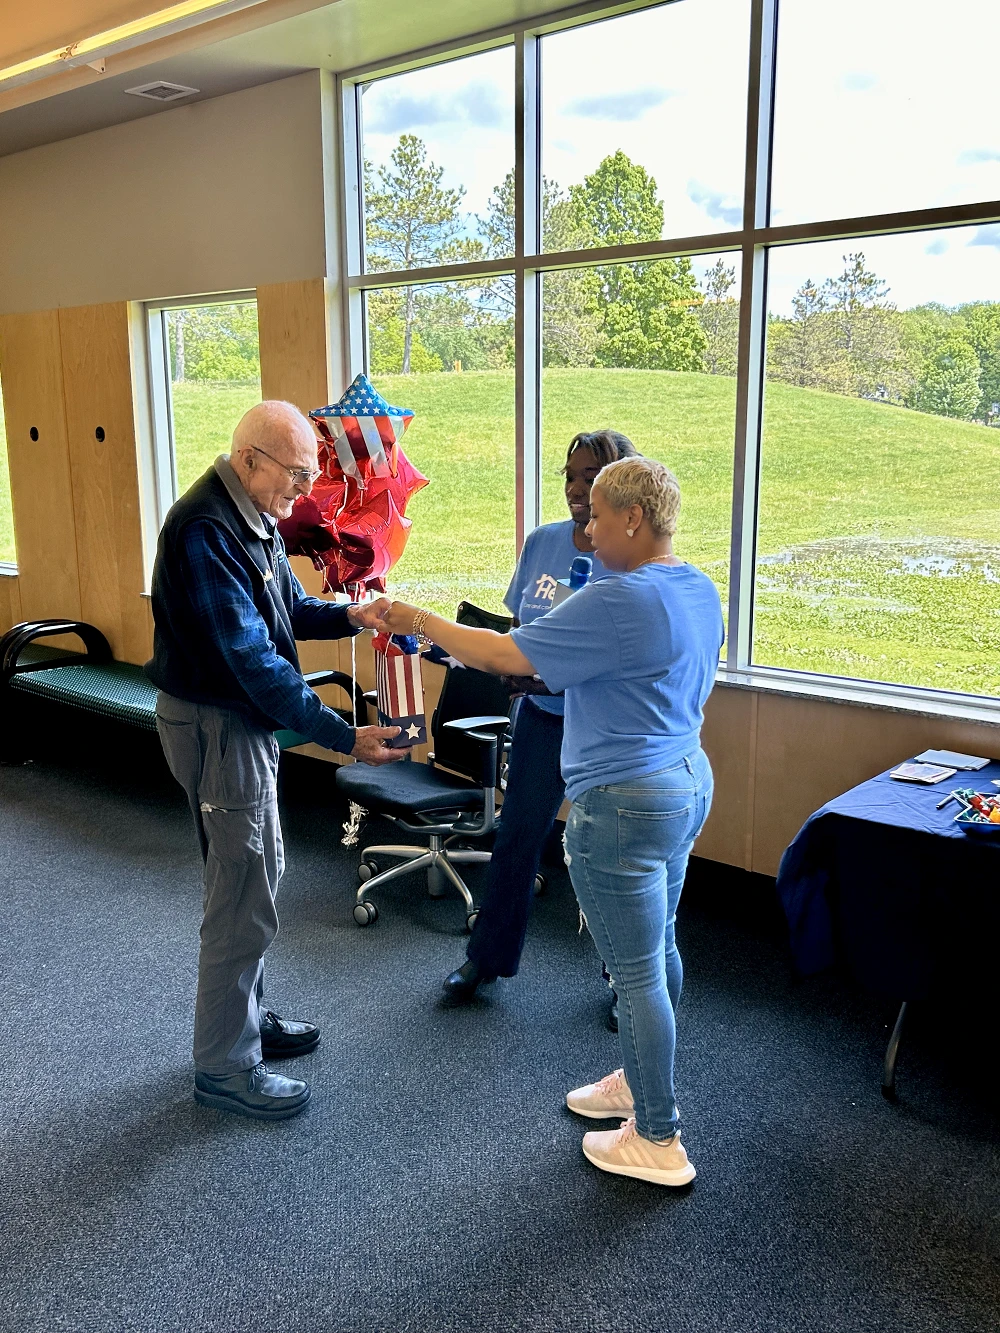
[
  {"x": 535, "y": 791},
  {"x": 627, "y": 847}
]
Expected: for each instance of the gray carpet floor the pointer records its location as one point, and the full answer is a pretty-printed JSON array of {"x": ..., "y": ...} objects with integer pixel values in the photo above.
[{"x": 436, "y": 1183}]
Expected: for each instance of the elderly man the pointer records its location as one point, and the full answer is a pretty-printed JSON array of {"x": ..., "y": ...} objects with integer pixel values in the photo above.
[{"x": 227, "y": 610}]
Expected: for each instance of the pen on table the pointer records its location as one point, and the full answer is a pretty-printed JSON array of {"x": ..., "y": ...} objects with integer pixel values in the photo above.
[{"x": 950, "y": 797}]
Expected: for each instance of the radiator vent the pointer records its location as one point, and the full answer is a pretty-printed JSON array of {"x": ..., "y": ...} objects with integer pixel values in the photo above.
[{"x": 162, "y": 92}]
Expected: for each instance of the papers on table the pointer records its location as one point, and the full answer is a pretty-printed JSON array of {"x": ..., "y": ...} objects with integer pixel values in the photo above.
[{"x": 926, "y": 773}]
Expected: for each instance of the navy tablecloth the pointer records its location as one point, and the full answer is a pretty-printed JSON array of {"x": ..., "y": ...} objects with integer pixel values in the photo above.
[{"x": 881, "y": 880}]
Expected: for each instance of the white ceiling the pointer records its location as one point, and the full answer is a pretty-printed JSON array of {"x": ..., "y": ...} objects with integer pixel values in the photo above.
[{"x": 340, "y": 36}]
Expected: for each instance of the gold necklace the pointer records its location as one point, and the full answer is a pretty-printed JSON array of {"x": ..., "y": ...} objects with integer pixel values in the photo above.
[{"x": 649, "y": 561}]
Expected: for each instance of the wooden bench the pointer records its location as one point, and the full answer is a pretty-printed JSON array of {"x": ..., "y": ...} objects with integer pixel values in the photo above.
[{"x": 95, "y": 682}]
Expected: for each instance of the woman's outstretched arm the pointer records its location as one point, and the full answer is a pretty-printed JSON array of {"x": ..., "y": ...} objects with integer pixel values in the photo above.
[{"x": 481, "y": 648}]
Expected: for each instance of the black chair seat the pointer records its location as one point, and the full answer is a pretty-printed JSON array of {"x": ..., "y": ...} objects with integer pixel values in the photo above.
[{"x": 407, "y": 789}]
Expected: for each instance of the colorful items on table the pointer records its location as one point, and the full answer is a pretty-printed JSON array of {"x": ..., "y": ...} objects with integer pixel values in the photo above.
[
  {"x": 399, "y": 687},
  {"x": 980, "y": 813},
  {"x": 354, "y": 526}
]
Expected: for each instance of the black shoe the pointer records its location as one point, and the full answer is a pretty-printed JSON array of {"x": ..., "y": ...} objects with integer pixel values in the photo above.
[
  {"x": 613, "y": 1013},
  {"x": 254, "y": 1092},
  {"x": 461, "y": 986},
  {"x": 281, "y": 1038}
]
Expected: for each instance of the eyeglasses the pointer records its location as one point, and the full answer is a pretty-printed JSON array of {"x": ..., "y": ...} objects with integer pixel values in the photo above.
[{"x": 300, "y": 476}]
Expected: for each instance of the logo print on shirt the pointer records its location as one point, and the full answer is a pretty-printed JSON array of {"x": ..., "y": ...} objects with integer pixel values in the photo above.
[{"x": 545, "y": 588}]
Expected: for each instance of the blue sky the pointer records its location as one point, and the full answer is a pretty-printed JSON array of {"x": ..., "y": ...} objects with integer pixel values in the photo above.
[{"x": 880, "y": 105}]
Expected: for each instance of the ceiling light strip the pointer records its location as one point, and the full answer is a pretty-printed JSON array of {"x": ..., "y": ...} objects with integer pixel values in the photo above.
[{"x": 162, "y": 23}]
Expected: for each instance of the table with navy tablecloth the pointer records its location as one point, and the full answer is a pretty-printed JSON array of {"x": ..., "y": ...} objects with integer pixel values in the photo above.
[{"x": 883, "y": 882}]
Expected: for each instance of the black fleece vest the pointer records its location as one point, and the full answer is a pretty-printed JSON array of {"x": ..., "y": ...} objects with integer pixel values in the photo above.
[{"x": 186, "y": 662}]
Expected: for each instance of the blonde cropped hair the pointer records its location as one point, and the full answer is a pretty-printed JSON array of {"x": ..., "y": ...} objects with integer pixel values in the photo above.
[{"x": 646, "y": 483}]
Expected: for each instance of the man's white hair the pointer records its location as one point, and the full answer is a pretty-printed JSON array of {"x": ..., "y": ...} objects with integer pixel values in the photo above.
[
  {"x": 271, "y": 421},
  {"x": 646, "y": 483}
]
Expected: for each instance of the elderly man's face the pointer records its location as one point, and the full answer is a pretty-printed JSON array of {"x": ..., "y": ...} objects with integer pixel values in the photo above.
[{"x": 266, "y": 469}]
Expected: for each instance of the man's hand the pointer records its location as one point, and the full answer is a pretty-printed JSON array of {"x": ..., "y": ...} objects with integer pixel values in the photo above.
[
  {"x": 370, "y": 745},
  {"x": 397, "y": 618},
  {"x": 368, "y": 615}
]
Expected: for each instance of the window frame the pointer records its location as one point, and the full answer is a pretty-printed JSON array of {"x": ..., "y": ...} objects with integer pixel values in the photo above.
[
  {"x": 157, "y": 457},
  {"x": 751, "y": 243}
]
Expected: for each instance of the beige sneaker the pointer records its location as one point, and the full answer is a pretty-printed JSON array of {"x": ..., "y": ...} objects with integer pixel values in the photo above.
[
  {"x": 608, "y": 1100},
  {"x": 624, "y": 1152}
]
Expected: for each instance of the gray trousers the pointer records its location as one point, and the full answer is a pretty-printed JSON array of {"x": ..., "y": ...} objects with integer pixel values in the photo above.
[{"x": 228, "y": 768}]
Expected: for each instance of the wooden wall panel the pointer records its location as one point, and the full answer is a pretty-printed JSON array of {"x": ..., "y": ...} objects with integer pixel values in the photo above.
[
  {"x": 293, "y": 323},
  {"x": 41, "y": 477},
  {"x": 98, "y": 391},
  {"x": 10, "y": 602},
  {"x": 810, "y": 750},
  {"x": 728, "y": 738}
]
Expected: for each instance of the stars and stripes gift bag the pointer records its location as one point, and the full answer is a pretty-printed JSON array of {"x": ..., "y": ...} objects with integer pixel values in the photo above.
[{"x": 400, "y": 688}]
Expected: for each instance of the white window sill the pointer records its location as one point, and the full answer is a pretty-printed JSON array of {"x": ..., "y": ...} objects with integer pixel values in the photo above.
[{"x": 863, "y": 694}]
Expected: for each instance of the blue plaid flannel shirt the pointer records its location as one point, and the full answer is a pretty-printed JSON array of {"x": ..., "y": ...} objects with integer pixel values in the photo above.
[{"x": 222, "y": 598}]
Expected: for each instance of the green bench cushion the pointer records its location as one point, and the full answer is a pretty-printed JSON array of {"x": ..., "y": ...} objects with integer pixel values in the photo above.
[{"x": 118, "y": 690}]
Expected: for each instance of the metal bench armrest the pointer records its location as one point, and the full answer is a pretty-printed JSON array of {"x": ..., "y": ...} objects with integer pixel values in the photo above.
[{"x": 13, "y": 643}]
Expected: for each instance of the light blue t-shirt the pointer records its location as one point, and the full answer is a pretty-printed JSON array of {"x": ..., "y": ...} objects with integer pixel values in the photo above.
[
  {"x": 546, "y": 557},
  {"x": 637, "y": 657}
]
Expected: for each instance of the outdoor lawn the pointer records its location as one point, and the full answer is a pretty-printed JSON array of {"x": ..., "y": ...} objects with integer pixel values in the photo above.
[{"x": 879, "y": 549}]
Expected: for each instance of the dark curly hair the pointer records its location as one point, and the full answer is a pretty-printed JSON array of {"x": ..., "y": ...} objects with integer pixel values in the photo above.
[{"x": 607, "y": 446}]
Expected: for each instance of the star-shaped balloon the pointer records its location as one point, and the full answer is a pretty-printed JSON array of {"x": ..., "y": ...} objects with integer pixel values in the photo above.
[{"x": 354, "y": 526}]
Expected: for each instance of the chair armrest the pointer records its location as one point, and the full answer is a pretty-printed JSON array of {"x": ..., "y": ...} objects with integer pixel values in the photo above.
[
  {"x": 342, "y": 679},
  {"x": 496, "y": 725},
  {"x": 486, "y": 743},
  {"x": 18, "y": 638}
]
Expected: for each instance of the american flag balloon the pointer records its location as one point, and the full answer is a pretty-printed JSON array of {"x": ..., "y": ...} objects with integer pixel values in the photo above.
[
  {"x": 354, "y": 526},
  {"x": 399, "y": 687},
  {"x": 362, "y": 419}
]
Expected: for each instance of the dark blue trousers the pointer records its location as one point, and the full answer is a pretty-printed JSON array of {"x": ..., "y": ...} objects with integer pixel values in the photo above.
[{"x": 535, "y": 791}]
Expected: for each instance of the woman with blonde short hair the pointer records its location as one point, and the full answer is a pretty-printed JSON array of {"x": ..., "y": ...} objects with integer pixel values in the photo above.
[{"x": 636, "y": 656}]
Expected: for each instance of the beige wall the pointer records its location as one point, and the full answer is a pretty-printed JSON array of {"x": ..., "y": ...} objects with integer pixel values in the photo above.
[{"x": 223, "y": 195}]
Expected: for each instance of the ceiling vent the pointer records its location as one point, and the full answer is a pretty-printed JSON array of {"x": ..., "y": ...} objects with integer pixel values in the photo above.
[{"x": 162, "y": 92}]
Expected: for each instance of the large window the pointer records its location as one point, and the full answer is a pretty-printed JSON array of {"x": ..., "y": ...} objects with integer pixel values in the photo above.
[
  {"x": 205, "y": 373},
  {"x": 7, "y": 556},
  {"x": 649, "y": 350},
  {"x": 796, "y": 306},
  {"x": 648, "y": 110},
  {"x": 878, "y": 548},
  {"x": 462, "y": 436}
]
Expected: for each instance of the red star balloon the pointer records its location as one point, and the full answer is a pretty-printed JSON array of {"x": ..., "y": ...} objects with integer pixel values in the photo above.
[{"x": 354, "y": 526}]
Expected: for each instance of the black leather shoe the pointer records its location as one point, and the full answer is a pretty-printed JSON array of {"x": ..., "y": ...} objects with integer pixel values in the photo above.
[
  {"x": 613, "y": 1013},
  {"x": 281, "y": 1038},
  {"x": 254, "y": 1092},
  {"x": 461, "y": 986}
]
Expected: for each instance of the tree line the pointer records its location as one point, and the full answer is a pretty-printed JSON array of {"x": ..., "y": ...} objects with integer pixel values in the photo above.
[{"x": 844, "y": 335}]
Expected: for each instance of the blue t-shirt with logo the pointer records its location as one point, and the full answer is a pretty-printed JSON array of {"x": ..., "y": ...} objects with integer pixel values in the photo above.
[
  {"x": 546, "y": 557},
  {"x": 637, "y": 657}
]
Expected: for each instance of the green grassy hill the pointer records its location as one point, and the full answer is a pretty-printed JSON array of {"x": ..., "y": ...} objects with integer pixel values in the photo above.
[{"x": 879, "y": 527}]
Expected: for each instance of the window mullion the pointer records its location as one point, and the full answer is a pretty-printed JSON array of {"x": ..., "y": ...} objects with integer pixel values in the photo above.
[
  {"x": 527, "y": 288},
  {"x": 752, "y": 331},
  {"x": 353, "y": 231}
]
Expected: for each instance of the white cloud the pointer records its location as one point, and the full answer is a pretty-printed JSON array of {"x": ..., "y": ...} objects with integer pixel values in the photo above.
[{"x": 618, "y": 106}]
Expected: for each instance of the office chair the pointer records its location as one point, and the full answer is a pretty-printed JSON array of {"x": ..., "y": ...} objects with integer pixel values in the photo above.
[{"x": 452, "y": 798}]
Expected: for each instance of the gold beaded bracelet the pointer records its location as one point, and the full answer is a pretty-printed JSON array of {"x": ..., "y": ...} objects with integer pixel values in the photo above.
[{"x": 419, "y": 621}]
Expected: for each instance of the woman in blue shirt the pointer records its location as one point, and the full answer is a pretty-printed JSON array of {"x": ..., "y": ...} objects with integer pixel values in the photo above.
[
  {"x": 535, "y": 788},
  {"x": 636, "y": 657}
]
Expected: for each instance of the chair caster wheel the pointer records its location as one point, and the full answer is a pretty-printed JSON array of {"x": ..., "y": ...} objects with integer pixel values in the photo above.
[
  {"x": 365, "y": 914},
  {"x": 470, "y": 921},
  {"x": 367, "y": 870},
  {"x": 540, "y": 884}
]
